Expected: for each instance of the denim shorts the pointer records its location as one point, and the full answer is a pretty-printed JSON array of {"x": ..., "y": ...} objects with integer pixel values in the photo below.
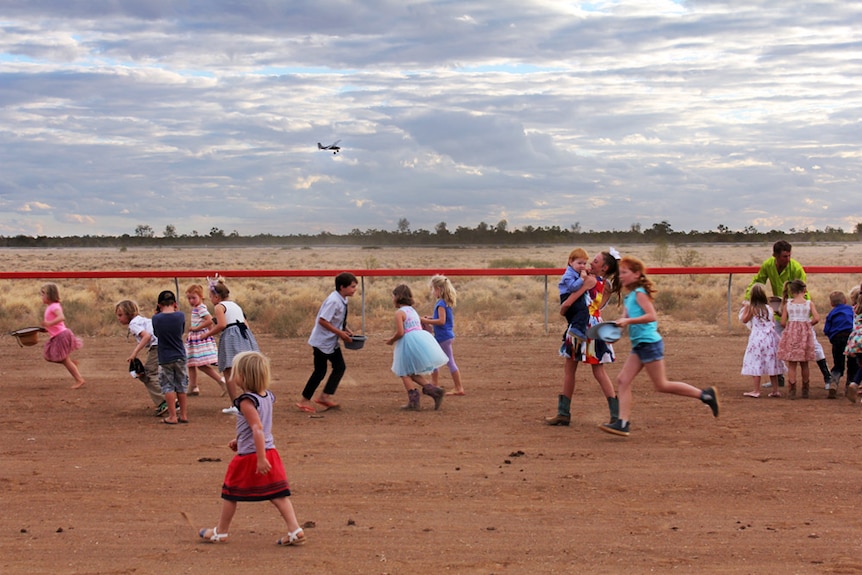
[
  {"x": 174, "y": 377},
  {"x": 649, "y": 352}
]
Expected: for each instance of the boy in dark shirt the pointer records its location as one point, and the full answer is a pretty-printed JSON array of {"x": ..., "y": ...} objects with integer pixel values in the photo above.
[{"x": 168, "y": 326}]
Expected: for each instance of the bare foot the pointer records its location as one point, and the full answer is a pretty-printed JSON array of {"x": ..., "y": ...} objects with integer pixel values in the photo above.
[
  {"x": 78, "y": 384},
  {"x": 456, "y": 392}
]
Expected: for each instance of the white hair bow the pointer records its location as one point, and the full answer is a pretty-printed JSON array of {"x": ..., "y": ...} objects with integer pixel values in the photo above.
[{"x": 614, "y": 253}]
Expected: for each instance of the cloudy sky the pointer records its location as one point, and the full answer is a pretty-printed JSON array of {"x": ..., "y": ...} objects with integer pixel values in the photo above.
[{"x": 605, "y": 114}]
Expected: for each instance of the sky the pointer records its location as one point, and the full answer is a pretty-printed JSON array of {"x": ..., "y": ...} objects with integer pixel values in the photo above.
[{"x": 595, "y": 115}]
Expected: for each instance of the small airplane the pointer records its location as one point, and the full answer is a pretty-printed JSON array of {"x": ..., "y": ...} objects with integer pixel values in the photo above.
[{"x": 333, "y": 146}]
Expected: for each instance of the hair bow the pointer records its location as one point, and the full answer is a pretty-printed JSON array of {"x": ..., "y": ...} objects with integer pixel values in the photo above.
[
  {"x": 212, "y": 281},
  {"x": 614, "y": 253}
]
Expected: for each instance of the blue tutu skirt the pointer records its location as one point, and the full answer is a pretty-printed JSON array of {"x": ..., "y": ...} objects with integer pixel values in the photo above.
[{"x": 416, "y": 353}]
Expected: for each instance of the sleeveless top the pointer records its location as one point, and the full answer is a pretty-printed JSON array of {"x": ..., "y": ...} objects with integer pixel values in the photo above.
[{"x": 244, "y": 434}]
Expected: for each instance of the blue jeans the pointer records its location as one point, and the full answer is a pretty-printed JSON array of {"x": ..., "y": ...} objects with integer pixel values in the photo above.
[{"x": 649, "y": 352}]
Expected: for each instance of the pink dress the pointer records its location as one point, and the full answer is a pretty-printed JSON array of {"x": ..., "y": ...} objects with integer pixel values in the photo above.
[
  {"x": 63, "y": 341},
  {"x": 761, "y": 354},
  {"x": 797, "y": 339}
]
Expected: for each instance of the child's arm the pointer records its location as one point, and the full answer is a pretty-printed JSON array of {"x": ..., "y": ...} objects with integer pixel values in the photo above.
[
  {"x": 205, "y": 323},
  {"x": 746, "y": 313},
  {"x": 649, "y": 311},
  {"x": 441, "y": 317},
  {"x": 815, "y": 317},
  {"x": 588, "y": 284},
  {"x": 58, "y": 317},
  {"x": 399, "y": 327},
  {"x": 145, "y": 341},
  {"x": 219, "y": 324},
  {"x": 253, "y": 418},
  {"x": 344, "y": 334},
  {"x": 783, "y": 314}
]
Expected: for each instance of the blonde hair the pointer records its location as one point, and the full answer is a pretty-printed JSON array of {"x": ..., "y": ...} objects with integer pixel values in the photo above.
[
  {"x": 447, "y": 290},
  {"x": 252, "y": 370},
  {"x": 52, "y": 292},
  {"x": 128, "y": 307},
  {"x": 837, "y": 298}
]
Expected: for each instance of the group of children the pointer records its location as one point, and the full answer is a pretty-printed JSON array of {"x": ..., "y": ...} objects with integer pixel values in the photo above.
[
  {"x": 256, "y": 472},
  {"x": 783, "y": 340}
]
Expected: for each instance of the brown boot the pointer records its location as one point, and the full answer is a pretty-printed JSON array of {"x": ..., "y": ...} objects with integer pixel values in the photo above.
[
  {"x": 412, "y": 400},
  {"x": 804, "y": 390},
  {"x": 437, "y": 393},
  {"x": 558, "y": 420},
  {"x": 792, "y": 393}
]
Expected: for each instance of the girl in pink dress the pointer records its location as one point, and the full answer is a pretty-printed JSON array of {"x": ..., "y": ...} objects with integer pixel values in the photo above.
[
  {"x": 798, "y": 315},
  {"x": 761, "y": 354},
  {"x": 63, "y": 342}
]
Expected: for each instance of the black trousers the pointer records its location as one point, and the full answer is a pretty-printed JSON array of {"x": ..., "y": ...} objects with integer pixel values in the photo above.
[
  {"x": 839, "y": 342},
  {"x": 320, "y": 361}
]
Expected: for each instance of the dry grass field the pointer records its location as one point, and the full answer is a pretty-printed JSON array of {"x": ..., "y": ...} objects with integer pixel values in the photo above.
[{"x": 90, "y": 482}]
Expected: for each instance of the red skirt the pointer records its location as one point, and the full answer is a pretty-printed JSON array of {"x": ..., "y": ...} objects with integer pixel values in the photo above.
[
  {"x": 242, "y": 482},
  {"x": 61, "y": 345}
]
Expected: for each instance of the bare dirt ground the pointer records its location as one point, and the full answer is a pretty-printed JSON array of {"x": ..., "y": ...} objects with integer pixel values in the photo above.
[{"x": 91, "y": 482}]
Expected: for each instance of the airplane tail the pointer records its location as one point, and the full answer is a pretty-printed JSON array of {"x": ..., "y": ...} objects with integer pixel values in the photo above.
[{"x": 320, "y": 146}]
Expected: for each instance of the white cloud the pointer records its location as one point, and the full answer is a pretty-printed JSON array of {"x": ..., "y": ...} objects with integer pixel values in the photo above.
[{"x": 120, "y": 113}]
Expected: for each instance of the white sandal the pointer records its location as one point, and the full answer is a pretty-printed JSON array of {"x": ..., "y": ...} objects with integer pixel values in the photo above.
[
  {"x": 212, "y": 535},
  {"x": 294, "y": 538}
]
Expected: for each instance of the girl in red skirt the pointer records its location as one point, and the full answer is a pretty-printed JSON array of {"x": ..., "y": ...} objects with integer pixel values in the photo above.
[
  {"x": 256, "y": 472},
  {"x": 63, "y": 342}
]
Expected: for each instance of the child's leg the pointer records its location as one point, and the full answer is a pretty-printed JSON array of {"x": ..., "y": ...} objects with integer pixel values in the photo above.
[
  {"x": 150, "y": 377},
  {"x": 285, "y": 507},
  {"x": 774, "y": 380},
  {"x": 73, "y": 369},
  {"x": 791, "y": 379},
  {"x": 171, "y": 398},
  {"x": 756, "y": 391},
  {"x": 228, "y": 509},
  {"x": 604, "y": 381},
  {"x": 407, "y": 381},
  {"x": 631, "y": 368},
  {"x": 213, "y": 374},
  {"x": 336, "y": 359},
  {"x": 446, "y": 346},
  {"x": 435, "y": 376},
  {"x": 320, "y": 362},
  {"x": 182, "y": 399},
  {"x": 193, "y": 380},
  {"x": 655, "y": 370}
]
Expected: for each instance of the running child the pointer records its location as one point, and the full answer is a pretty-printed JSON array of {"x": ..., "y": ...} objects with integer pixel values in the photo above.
[
  {"x": 761, "y": 353},
  {"x": 329, "y": 329},
  {"x": 443, "y": 321},
  {"x": 201, "y": 353},
  {"x": 59, "y": 348},
  {"x": 647, "y": 348},
  {"x": 798, "y": 316},
  {"x": 256, "y": 472},
  {"x": 416, "y": 351},
  {"x": 141, "y": 327}
]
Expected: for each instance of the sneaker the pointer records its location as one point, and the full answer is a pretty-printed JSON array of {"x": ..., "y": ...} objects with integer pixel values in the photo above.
[
  {"x": 617, "y": 428},
  {"x": 161, "y": 409},
  {"x": 232, "y": 410},
  {"x": 710, "y": 397},
  {"x": 852, "y": 392},
  {"x": 766, "y": 384}
]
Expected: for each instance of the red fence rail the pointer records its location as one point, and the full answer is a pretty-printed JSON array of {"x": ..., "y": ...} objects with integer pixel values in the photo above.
[{"x": 363, "y": 273}]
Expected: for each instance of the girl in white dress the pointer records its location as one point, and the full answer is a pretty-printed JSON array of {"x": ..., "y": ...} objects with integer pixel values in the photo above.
[{"x": 761, "y": 354}]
